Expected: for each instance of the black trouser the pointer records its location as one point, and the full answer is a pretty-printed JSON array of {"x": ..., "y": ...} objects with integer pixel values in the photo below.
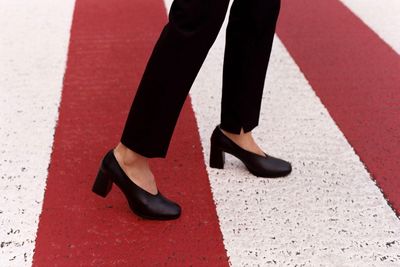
[{"x": 177, "y": 57}]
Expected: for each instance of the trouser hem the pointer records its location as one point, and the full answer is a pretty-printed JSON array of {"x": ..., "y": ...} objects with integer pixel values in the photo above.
[{"x": 236, "y": 128}]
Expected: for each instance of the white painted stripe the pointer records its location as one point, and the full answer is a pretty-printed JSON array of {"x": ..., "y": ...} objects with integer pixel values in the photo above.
[
  {"x": 34, "y": 40},
  {"x": 327, "y": 212},
  {"x": 382, "y": 16}
]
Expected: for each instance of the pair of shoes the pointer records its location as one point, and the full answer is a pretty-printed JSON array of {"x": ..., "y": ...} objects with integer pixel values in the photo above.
[
  {"x": 258, "y": 165},
  {"x": 141, "y": 202}
]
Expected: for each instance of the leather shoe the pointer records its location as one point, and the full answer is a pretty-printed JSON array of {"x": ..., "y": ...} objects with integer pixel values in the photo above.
[
  {"x": 263, "y": 166},
  {"x": 141, "y": 202}
]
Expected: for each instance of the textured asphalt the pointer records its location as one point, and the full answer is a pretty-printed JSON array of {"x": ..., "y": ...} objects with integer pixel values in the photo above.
[{"x": 331, "y": 101}]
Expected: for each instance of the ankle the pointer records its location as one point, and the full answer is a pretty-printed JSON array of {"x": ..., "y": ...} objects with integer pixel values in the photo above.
[
  {"x": 240, "y": 136},
  {"x": 129, "y": 157}
]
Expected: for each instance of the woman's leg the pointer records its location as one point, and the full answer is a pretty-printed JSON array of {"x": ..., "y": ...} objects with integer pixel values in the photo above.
[
  {"x": 170, "y": 72},
  {"x": 249, "y": 37}
]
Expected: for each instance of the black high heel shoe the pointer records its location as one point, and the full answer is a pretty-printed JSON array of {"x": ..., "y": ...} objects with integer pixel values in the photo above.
[
  {"x": 141, "y": 202},
  {"x": 258, "y": 165}
]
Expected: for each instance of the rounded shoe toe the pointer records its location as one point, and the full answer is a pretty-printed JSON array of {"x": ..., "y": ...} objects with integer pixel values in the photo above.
[
  {"x": 168, "y": 209},
  {"x": 281, "y": 167},
  {"x": 173, "y": 211}
]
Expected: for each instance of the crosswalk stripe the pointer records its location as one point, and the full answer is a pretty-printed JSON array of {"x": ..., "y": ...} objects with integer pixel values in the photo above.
[
  {"x": 108, "y": 49},
  {"x": 381, "y": 16},
  {"x": 328, "y": 211},
  {"x": 33, "y": 49},
  {"x": 356, "y": 75}
]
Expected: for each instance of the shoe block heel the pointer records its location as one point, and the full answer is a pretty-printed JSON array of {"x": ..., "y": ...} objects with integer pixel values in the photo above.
[
  {"x": 103, "y": 183},
  {"x": 217, "y": 157}
]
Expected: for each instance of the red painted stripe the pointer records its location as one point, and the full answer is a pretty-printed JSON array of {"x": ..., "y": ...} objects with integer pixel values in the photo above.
[
  {"x": 110, "y": 44},
  {"x": 357, "y": 77}
]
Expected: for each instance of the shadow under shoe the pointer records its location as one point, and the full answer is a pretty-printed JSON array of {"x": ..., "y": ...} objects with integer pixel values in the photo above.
[
  {"x": 141, "y": 202},
  {"x": 258, "y": 165}
]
